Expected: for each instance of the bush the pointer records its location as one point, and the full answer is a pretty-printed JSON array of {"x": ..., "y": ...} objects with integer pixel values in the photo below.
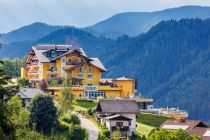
[
  {"x": 43, "y": 113},
  {"x": 164, "y": 134},
  {"x": 77, "y": 133},
  {"x": 23, "y": 82},
  {"x": 74, "y": 119},
  {"x": 106, "y": 132},
  {"x": 102, "y": 137},
  {"x": 71, "y": 119},
  {"x": 90, "y": 112}
]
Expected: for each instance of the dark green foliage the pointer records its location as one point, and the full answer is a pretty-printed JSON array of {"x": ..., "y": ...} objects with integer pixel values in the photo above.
[
  {"x": 12, "y": 66},
  {"x": 77, "y": 133},
  {"x": 74, "y": 119},
  {"x": 106, "y": 132},
  {"x": 43, "y": 113},
  {"x": 23, "y": 82},
  {"x": 90, "y": 111},
  {"x": 102, "y": 137},
  {"x": 6, "y": 93},
  {"x": 71, "y": 119},
  {"x": 164, "y": 134},
  {"x": 171, "y": 64}
]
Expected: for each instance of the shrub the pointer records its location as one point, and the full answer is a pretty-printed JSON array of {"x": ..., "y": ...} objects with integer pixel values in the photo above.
[
  {"x": 23, "y": 82},
  {"x": 164, "y": 134},
  {"x": 43, "y": 113},
  {"x": 106, "y": 132},
  {"x": 74, "y": 119},
  {"x": 71, "y": 119},
  {"x": 77, "y": 133},
  {"x": 102, "y": 137},
  {"x": 90, "y": 112}
]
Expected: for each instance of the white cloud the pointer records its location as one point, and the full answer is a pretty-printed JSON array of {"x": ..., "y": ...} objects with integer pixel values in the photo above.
[{"x": 16, "y": 13}]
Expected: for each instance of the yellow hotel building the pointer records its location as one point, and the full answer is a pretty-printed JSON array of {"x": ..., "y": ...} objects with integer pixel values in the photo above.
[{"x": 54, "y": 62}]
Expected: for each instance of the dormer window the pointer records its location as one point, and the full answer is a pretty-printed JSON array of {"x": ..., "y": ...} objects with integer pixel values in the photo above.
[
  {"x": 70, "y": 61},
  {"x": 53, "y": 53}
]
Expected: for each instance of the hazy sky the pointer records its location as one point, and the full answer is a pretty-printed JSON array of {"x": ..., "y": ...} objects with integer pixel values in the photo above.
[{"x": 80, "y": 13}]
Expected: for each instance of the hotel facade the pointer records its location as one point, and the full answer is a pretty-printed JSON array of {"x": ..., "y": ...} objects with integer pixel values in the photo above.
[{"x": 53, "y": 63}]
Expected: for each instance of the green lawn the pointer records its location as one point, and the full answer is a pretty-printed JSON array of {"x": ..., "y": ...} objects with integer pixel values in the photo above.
[
  {"x": 147, "y": 122},
  {"x": 151, "y": 119},
  {"x": 143, "y": 129},
  {"x": 83, "y": 105}
]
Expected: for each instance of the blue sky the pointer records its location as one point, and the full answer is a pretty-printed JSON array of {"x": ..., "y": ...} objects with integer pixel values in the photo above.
[{"x": 80, "y": 13}]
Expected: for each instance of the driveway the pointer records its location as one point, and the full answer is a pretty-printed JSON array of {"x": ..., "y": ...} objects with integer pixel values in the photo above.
[{"x": 92, "y": 129}]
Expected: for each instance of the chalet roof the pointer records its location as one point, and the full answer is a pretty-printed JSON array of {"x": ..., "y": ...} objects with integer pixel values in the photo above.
[
  {"x": 117, "y": 117},
  {"x": 29, "y": 93},
  {"x": 40, "y": 49},
  {"x": 117, "y": 106},
  {"x": 97, "y": 63}
]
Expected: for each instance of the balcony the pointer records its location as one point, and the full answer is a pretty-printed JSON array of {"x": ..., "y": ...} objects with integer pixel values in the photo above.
[
  {"x": 52, "y": 71},
  {"x": 111, "y": 88},
  {"x": 73, "y": 63},
  {"x": 33, "y": 72}
]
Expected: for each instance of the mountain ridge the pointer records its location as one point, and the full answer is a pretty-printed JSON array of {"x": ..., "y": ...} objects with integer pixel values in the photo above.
[{"x": 134, "y": 23}]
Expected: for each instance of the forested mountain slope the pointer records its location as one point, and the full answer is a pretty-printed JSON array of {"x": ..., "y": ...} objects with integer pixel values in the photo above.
[
  {"x": 171, "y": 63},
  {"x": 134, "y": 23}
]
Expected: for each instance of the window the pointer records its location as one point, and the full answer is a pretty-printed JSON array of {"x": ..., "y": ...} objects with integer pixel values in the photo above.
[
  {"x": 76, "y": 60},
  {"x": 119, "y": 124},
  {"x": 63, "y": 68},
  {"x": 81, "y": 60},
  {"x": 80, "y": 70},
  {"x": 80, "y": 76},
  {"x": 70, "y": 61},
  {"x": 90, "y": 70},
  {"x": 85, "y": 68},
  {"x": 63, "y": 60},
  {"x": 53, "y": 54},
  {"x": 90, "y": 76}
]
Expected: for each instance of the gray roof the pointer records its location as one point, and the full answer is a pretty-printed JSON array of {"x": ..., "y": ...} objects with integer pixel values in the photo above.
[
  {"x": 97, "y": 63},
  {"x": 117, "y": 106},
  {"x": 29, "y": 93},
  {"x": 117, "y": 117},
  {"x": 40, "y": 49}
]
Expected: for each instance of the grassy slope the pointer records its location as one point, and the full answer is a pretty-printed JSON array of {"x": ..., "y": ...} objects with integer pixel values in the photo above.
[
  {"x": 147, "y": 122},
  {"x": 83, "y": 105}
]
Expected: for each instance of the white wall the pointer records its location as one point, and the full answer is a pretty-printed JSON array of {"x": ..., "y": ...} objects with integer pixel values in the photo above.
[
  {"x": 132, "y": 127},
  {"x": 133, "y": 122}
]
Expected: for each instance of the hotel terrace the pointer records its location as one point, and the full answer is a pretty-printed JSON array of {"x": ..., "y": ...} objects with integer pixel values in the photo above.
[{"x": 54, "y": 62}]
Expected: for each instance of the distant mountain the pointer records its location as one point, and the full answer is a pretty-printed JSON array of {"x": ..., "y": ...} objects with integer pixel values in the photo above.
[
  {"x": 29, "y": 33},
  {"x": 134, "y": 23},
  {"x": 91, "y": 44},
  {"x": 71, "y": 35},
  {"x": 171, "y": 61}
]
